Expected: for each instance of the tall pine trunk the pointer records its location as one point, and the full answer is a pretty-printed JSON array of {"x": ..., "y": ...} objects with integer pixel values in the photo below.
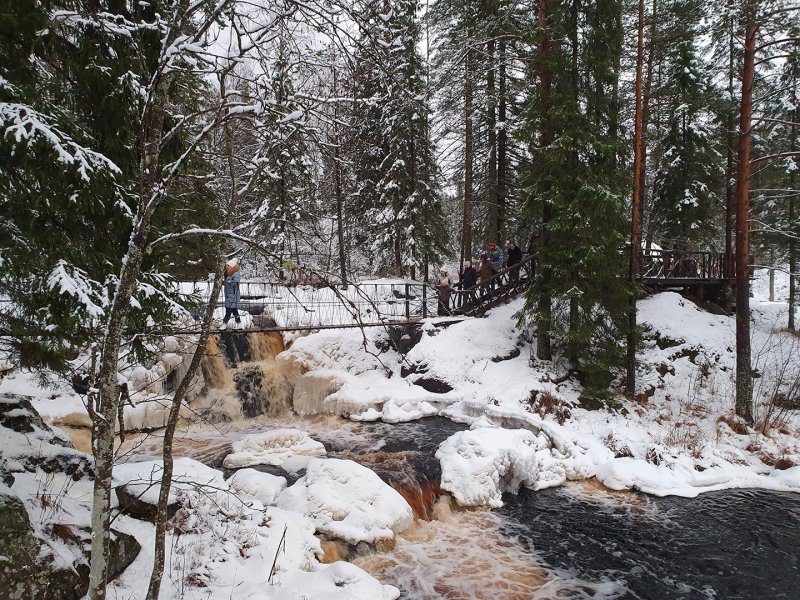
[
  {"x": 630, "y": 379},
  {"x": 730, "y": 197},
  {"x": 466, "y": 229},
  {"x": 502, "y": 143},
  {"x": 744, "y": 373},
  {"x": 545, "y": 316},
  {"x": 491, "y": 127}
]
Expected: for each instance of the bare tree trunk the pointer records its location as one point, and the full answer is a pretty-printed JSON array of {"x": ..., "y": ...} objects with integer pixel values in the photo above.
[
  {"x": 794, "y": 231},
  {"x": 744, "y": 373},
  {"x": 169, "y": 432},
  {"x": 630, "y": 379},
  {"x": 107, "y": 411},
  {"x": 772, "y": 275},
  {"x": 502, "y": 145},
  {"x": 491, "y": 127},
  {"x": 466, "y": 229},
  {"x": 544, "y": 318},
  {"x": 337, "y": 189}
]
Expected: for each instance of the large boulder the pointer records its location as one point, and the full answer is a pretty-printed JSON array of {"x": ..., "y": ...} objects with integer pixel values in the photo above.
[
  {"x": 44, "y": 539},
  {"x": 28, "y": 444},
  {"x": 25, "y": 575}
]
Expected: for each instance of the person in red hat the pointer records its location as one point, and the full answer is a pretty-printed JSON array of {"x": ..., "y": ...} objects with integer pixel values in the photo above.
[{"x": 496, "y": 256}]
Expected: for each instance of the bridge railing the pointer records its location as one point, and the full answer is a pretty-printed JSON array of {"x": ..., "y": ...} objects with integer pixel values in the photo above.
[
  {"x": 307, "y": 306},
  {"x": 677, "y": 264}
]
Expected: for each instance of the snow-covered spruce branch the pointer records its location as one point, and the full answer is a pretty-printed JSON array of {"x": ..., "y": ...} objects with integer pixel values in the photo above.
[{"x": 22, "y": 124}]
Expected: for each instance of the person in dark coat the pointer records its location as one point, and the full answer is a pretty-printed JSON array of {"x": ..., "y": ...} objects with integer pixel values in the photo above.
[
  {"x": 514, "y": 258},
  {"x": 232, "y": 276},
  {"x": 469, "y": 279}
]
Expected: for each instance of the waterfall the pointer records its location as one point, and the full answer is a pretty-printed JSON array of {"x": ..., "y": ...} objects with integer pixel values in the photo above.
[{"x": 242, "y": 378}]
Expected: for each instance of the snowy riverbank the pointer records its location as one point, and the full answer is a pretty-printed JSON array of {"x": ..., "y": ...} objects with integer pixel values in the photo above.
[{"x": 258, "y": 536}]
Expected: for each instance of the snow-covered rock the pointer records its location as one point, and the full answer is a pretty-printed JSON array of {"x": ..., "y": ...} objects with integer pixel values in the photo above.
[
  {"x": 272, "y": 448},
  {"x": 348, "y": 501},
  {"x": 264, "y": 487}
]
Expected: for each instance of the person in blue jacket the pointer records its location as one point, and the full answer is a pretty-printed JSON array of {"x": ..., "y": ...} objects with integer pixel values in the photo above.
[
  {"x": 232, "y": 275},
  {"x": 496, "y": 256}
]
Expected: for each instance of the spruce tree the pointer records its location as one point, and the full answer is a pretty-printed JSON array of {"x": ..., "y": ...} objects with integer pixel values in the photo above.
[
  {"x": 686, "y": 201},
  {"x": 576, "y": 193},
  {"x": 393, "y": 160}
]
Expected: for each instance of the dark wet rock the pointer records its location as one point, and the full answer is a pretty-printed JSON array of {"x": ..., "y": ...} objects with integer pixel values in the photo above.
[
  {"x": 131, "y": 504},
  {"x": 664, "y": 342},
  {"x": 250, "y": 389},
  {"x": 690, "y": 353},
  {"x": 412, "y": 369},
  {"x": 403, "y": 339},
  {"x": 433, "y": 385},
  {"x": 513, "y": 354},
  {"x": 235, "y": 346},
  {"x": 80, "y": 383},
  {"x": 262, "y": 321}
]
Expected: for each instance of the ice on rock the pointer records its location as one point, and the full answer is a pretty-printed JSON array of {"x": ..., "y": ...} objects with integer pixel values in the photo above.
[
  {"x": 479, "y": 465},
  {"x": 264, "y": 487},
  {"x": 348, "y": 501},
  {"x": 272, "y": 448},
  {"x": 678, "y": 479}
]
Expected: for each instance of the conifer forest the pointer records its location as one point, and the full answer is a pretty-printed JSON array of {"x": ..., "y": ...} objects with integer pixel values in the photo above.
[{"x": 377, "y": 299}]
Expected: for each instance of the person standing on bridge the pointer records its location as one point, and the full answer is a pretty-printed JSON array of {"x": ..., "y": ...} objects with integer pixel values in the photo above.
[
  {"x": 469, "y": 279},
  {"x": 485, "y": 270},
  {"x": 232, "y": 276},
  {"x": 442, "y": 283},
  {"x": 514, "y": 258}
]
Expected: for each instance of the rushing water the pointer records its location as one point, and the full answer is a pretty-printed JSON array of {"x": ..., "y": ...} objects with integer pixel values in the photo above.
[{"x": 578, "y": 541}]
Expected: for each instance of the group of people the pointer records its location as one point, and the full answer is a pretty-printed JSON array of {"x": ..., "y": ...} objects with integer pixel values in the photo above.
[{"x": 476, "y": 283}]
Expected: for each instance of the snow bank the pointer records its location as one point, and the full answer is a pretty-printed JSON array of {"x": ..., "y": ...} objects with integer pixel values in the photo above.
[
  {"x": 272, "y": 448},
  {"x": 348, "y": 501},
  {"x": 264, "y": 487},
  {"x": 143, "y": 479},
  {"x": 224, "y": 543},
  {"x": 683, "y": 480}
]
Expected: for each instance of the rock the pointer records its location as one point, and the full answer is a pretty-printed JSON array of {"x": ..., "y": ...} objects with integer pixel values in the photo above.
[
  {"x": 433, "y": 385},
  {"x": 23, "y": 576},
  {"x": 139, "y": 508},
  {"x": 513, "y": 354},
  {"x": 403, "y": 339},
  {"x": 235, "y": 346},
  {"x": 33, "y": 446}
]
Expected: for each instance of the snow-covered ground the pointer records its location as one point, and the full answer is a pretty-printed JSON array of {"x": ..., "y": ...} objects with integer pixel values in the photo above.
[{"x": 678, "y": 438}]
